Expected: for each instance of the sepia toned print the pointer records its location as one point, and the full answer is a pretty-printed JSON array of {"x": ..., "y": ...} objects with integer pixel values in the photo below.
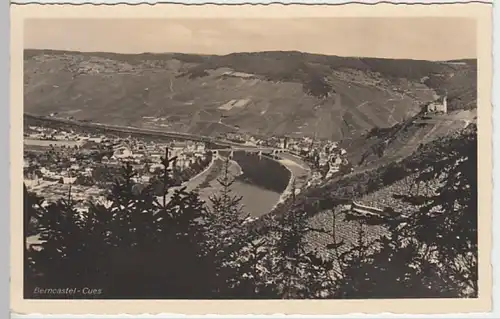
[{"x": 261, "y": 158}]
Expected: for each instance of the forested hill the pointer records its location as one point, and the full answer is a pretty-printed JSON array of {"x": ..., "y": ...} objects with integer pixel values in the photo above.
[{"x": 263, "y": 92}]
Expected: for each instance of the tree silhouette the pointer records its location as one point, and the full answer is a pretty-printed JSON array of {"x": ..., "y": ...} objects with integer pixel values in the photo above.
[
  {"x": 226, "y": 231},
  {"x": 446, "y": 220},
  {"x": 33, "y": 210},
  {"x": 431, "y": 248},
  {"x": 137, "y": 246},
  {"x": 155, "y": 240},
  {"x": 299, "y": 273},
  {"x": 239, "y": 251}
]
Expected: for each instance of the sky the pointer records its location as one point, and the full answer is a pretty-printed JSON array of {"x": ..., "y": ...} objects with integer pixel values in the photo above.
[{"x": 427, "y": 38}]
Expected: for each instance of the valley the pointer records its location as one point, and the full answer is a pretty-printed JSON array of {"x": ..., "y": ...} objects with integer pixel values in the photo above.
[{"x": 267, "y": 93}]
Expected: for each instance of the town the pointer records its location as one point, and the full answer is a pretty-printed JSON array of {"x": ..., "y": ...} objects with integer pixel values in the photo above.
[{"x": 89, "y": 161}]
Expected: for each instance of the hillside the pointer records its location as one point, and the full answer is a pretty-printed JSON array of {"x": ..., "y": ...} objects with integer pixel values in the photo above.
[
  {"x": 382, "y": 157},
  {"x": 382, "y": 146},
  {"x": 263, "y": 93},
  {"x": 386, "y": 186}
]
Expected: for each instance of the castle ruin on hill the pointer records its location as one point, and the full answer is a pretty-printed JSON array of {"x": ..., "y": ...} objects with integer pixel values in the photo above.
[{"x": 438, "y": 106}]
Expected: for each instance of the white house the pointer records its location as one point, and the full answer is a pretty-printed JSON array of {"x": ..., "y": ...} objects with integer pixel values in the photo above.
[
  {"x": 200, "y": 148},
  {"x": 122, "y": 152},
  {"x": 95, "y": 139},
  {"x": 69, "y": 180}
]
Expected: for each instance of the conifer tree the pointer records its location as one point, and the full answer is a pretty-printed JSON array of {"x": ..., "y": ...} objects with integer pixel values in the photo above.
[
  {"x": 299, "y": 271},
  {"x": 227, "y": 211},
  {"x": 431, "y": 247},
  {"x": 242, "y": 251},
  {"x": 227, "y": 231},
  {"x": 445, "y": 221},
  {"x": 136, "y": 247},
  {"x": 33, "y": 211},
  {"x": 63, "y": 257}
]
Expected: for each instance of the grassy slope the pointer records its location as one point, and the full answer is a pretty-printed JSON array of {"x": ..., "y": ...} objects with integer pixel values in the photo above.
[
  {"x": 405, "y": 140},
  {"x": 286, "y": 91},
  {"x": 402, "y": 139},
  {"x": 381, "y": 197}
]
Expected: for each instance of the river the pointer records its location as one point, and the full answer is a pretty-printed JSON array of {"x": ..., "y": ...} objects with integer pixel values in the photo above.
[{"x": 256, "y": 201}]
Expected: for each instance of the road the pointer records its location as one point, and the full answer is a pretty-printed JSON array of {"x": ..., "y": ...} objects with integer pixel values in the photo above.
[
  {"x": 466, "y": 116},
  {"x": 300, "y": 174},
  {"x": 445, "y": 122},
  {"x": 136, "y": 130},
  {"x": 195, "y": 181}
]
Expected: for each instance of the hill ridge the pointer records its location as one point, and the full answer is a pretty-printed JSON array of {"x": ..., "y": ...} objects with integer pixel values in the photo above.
[
  {"x": 31, "y": 51},
  {"x": 267, "y": 93}
]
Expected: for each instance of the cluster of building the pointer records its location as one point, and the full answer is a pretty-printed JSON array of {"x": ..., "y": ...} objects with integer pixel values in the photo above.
[
  {"x": 332, "y": 158},
  {"x": 54, "y": 156},
  {"x": 140, "y": 152},
  {"x": 326, "y": 157},
  {"x": 50, "y": 134}
]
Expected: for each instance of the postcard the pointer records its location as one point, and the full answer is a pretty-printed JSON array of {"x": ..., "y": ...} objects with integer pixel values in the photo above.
[{"x": 253, "y": 159}]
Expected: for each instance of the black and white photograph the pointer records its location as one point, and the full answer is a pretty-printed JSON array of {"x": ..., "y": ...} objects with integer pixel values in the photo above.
[{"x": 258, "y": 158}]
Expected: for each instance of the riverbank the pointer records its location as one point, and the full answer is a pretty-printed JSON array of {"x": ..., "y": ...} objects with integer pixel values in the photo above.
[
  {"x": 193, "y": 182},
  {"x": 196, "y": 180},
  {"x": 299, "y": 173},
  {"x": 256, "y": 199}
]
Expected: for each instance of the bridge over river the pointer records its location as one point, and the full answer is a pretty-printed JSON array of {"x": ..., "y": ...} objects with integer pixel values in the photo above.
[{"x": 260, "y": 150}]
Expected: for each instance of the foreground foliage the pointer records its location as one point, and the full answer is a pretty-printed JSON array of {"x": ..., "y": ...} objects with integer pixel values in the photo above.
[{"x": 152, "y": 242}]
